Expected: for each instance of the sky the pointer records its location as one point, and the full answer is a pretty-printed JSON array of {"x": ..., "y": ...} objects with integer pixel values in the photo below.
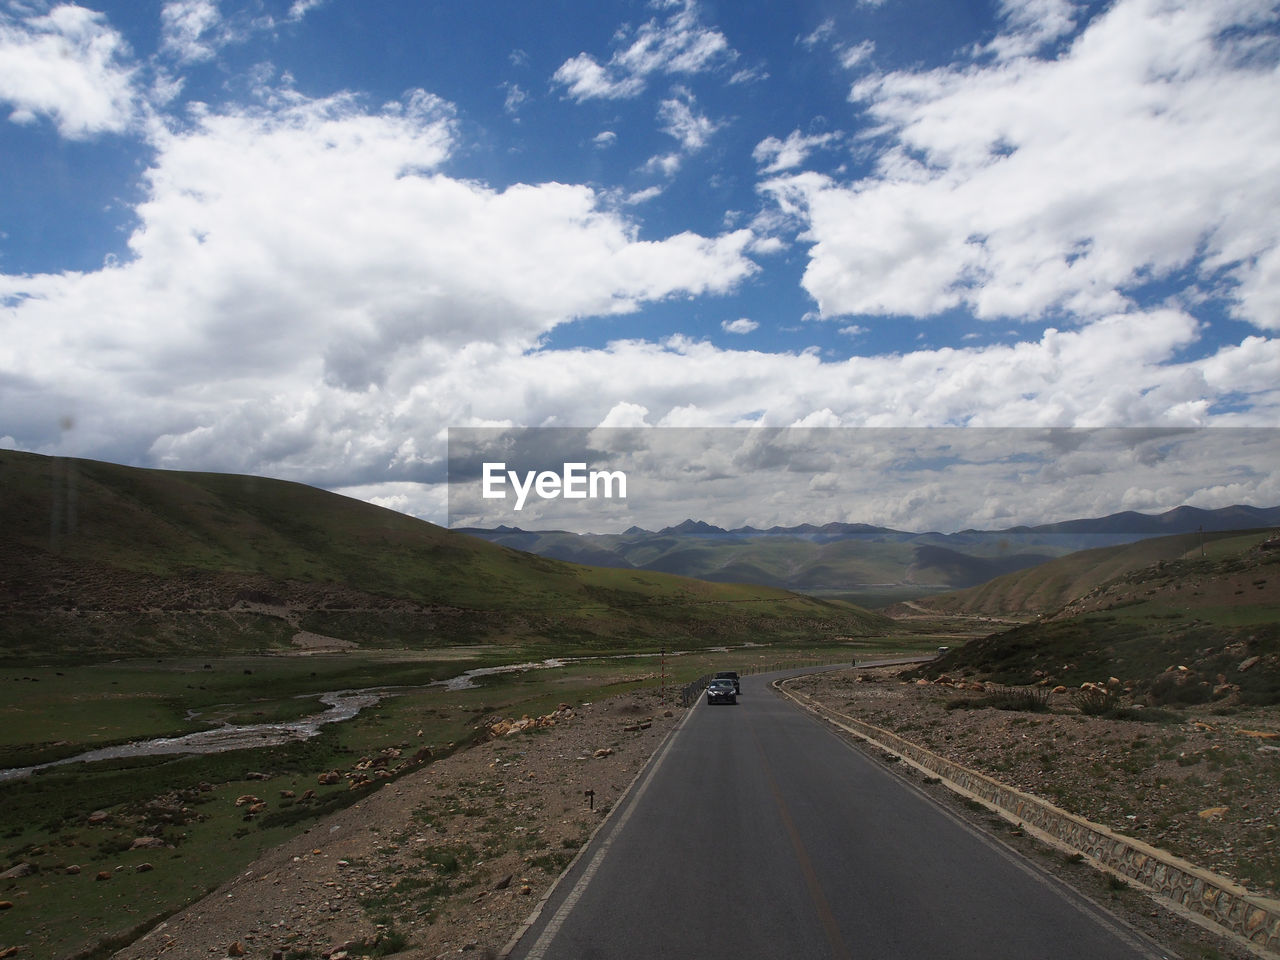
[
  {"x": 306, "y": 238},
  {"x": 916, "y": 479}
]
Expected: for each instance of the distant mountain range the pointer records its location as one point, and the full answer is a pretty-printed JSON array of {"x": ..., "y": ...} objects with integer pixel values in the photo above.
[{"x": 861, "y": 559}]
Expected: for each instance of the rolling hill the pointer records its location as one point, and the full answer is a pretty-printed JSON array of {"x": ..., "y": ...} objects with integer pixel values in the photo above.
[
  {"x": 1180, "y": 619},
  {"x": 98, "y": 559},
  {"x": 1046, "y": 588}
]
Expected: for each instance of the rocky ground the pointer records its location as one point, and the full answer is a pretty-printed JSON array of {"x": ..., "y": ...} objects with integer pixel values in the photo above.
[
  {"x": 451, "y": 860},
  {"x": 447, "y": 861},
  {"x": 1201, "y": 784}
]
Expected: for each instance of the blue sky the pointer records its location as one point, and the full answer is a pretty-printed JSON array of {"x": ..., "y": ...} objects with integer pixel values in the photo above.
[{"x": 303, "y": 238}]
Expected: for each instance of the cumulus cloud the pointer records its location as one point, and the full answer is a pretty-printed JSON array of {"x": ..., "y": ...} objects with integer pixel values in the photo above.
[
  {"x": 1032, "y": 186},
  {"x": 310, "y": 293},
  {"x": 814, "y": 471},
  {"x": 187, "y": 27},
  {"x": 678, "y": 44},
  {"x": 1031, "y": 24},
  {"x": 69, "y": 66},
  {"x": 680, "y": 119},
  {"x": 775, "y": 155},
  {"x": 298, "y": 265}
]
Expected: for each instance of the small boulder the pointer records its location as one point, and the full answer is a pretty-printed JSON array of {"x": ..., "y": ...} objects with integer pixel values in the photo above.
[{"x": 18, "y": 872}]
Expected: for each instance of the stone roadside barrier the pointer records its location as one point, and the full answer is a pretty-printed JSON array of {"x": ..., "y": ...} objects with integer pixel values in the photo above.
[{"x": 1200, "y": 895}]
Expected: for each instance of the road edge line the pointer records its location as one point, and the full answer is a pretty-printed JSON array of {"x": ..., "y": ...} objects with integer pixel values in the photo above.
[
  {"x": 626, "y": 802},
  {"x": 1236, "y": 894}
]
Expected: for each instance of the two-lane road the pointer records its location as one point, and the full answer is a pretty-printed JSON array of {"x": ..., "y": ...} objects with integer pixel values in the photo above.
[{"x": 757, "y": 832}]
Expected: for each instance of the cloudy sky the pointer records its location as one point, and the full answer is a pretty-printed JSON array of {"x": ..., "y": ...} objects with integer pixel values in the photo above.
[
  {"x": 304, "y": 238},
  {"x": 912, "y": 478}
]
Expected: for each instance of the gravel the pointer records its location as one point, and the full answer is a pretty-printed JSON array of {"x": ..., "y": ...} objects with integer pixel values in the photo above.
[{"x": 446, "y": 861}]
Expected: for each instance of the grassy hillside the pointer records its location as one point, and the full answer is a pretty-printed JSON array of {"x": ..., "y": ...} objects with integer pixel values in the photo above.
[
  {"x": 1048, "y": 587},
  {"x": 114, "y": 560},
  {"x": 1190, "y": 626}
]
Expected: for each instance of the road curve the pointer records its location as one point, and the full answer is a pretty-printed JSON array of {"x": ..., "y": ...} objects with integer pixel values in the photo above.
[{"x": 758, "y": 832}]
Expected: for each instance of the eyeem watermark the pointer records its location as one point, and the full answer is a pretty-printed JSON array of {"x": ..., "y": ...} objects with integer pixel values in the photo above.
[{"x": 574, "y": 482}]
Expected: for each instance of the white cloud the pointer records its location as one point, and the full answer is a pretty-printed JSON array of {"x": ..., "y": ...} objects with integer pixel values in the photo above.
[
  {"x": 625, "y": 414},
  {"x": 1032, "y": 24},
  {"x": 310, "y": 295},
  {"x": 605, "y": 138},
  {"x": 821, "y": 34},
  {"x": 748, "y": 75},
  {"x": 676, "y": 45},
  {"x": 651, "y": 193},
  {"x": 1032, "y": 186},
  {"x": 196, "y": 30},
  {"x": 666, "y": 164},
  {"x": 186, "y": 28},
  {"x": 68, "y": 65},
  {"x": 515, "y": 98},
  {"x": 855, "y": 54},
  {"x": 741, "y": 325},
  {"x": 300, "y": 8},
  {"x": 775, "y": 155},
  {"x": 680, "y": 120},
  {"x": 816, "y": 471},
  {"x": 301, "y": 271}
]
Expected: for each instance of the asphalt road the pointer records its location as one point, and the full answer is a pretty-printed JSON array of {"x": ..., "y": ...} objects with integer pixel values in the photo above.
[{"x": 757, "y": 832}]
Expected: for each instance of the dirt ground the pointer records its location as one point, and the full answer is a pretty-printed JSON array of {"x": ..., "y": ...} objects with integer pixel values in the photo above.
[
  {"x": 446, "y": 861},
  {"x": 451, "y": 860}
]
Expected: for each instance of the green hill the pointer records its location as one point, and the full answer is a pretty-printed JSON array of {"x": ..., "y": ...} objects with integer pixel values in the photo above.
[
  {"x": 102, "y": 559},
  {"x": 1176, "y": 620},
  {"x": 1050, "y": 586}
]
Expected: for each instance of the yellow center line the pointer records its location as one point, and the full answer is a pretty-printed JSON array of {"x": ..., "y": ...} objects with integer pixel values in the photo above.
[{"x": 839, "y": 949}]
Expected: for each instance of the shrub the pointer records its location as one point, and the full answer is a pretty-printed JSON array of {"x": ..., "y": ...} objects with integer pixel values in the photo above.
[
  {"x": 1033, "y": 699},
  {"x": 1094, "y": 701}
]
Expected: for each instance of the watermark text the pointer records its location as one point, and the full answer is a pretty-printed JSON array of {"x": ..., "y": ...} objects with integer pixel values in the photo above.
[{"x": 574, "y": 482}]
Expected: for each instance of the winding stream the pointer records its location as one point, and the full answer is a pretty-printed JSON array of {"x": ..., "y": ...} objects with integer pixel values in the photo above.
[{"x": 342, "y": 705}]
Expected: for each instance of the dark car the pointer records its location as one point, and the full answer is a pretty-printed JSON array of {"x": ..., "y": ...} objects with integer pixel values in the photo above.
[
  {"x": 721, "y": 691},
  {"x": 730, "y": 675}
]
